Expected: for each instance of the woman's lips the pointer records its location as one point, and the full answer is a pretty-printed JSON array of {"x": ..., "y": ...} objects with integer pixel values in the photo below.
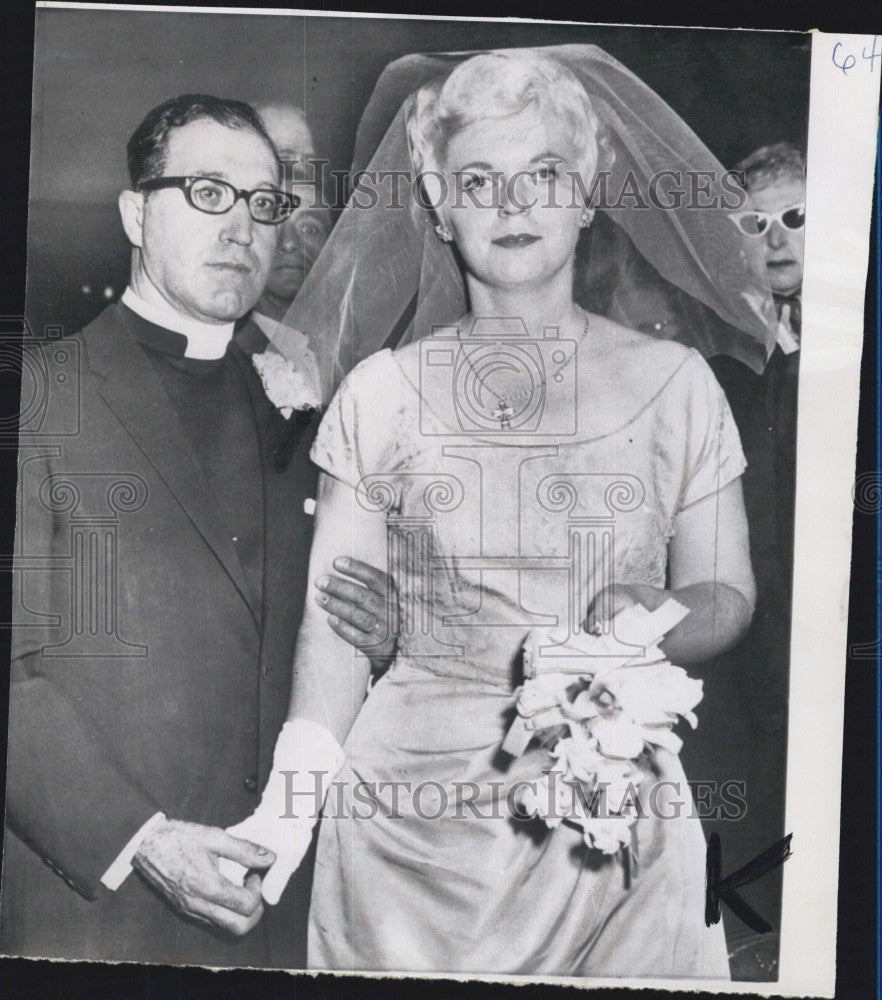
[{"x": 518, "y": 240}]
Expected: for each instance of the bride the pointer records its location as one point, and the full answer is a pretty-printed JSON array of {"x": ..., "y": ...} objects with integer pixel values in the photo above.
[{"x": 524, "y": 463}]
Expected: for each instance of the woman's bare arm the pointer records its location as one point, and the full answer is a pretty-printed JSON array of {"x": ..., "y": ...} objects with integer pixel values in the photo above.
[
  {"x": 330, "y": 676},
  {"x": 710, "y": 573}
]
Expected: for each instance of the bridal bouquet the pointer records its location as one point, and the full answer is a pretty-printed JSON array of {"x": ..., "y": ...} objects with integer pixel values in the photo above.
[{"x": 606, "y": 700}]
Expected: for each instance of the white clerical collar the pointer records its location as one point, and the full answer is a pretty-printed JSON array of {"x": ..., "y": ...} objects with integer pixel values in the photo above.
[{"x": 205, "y": 341}]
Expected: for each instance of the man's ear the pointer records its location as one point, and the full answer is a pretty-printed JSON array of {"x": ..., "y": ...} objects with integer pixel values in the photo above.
[{"x": 131, "y": 210}]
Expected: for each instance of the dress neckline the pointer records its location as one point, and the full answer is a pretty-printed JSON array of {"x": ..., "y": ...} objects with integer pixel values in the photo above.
[{"x": 513, "y": 439}]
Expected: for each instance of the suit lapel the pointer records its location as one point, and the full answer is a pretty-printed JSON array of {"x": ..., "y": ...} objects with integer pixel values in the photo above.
[
  {"x": 287, "y": 524},
  {"x": 135, "y": 393}
]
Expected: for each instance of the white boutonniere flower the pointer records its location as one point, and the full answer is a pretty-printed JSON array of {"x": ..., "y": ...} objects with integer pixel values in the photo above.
[{"x": 285, "y": 386}]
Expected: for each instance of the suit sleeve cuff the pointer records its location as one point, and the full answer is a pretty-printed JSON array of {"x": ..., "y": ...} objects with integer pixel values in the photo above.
[{"x": 121, "y": 868}]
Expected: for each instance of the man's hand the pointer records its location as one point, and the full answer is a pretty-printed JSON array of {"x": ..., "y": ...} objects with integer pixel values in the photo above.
[
  {"x": 181, "y": 861},
  {"x": 361, "y": 612},
  {"x": 306, "y": 760},
  {"x": 290, "y": 840}
]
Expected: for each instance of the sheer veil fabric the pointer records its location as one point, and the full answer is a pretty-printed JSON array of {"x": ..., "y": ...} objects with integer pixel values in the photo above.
[{"x": 384, "y": 279}]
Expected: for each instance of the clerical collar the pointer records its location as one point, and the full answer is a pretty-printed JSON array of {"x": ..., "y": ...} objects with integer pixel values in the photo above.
[{"x": 205, "y": 341}]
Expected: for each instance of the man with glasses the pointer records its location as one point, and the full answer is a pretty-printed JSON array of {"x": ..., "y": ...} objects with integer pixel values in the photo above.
[
  {"x": 751, "y": 681},
  {"x": 150, "y": 676}
]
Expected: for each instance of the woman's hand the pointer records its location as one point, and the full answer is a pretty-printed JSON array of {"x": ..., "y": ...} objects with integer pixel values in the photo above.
[
  {"x": 361, "y": 612},
  {"x": 612, "y": 600},
  {"x": 709, "y": 570}
]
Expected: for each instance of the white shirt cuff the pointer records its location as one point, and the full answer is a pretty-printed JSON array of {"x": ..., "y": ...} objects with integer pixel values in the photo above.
[{"x": 121, "y": 868}]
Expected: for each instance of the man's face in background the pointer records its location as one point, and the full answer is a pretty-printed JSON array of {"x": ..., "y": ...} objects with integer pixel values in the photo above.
[
  {"x": 287, "y": 127},
  {"x": 301, "y": 238}
]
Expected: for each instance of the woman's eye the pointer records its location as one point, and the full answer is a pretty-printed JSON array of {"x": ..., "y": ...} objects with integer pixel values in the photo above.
[
  {"x": 545, "y": 173},
  {"x": 474, "y": 182}
]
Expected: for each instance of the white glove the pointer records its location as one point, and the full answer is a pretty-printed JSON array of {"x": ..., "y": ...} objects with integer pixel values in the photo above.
[{"x": 306, "y": 760}]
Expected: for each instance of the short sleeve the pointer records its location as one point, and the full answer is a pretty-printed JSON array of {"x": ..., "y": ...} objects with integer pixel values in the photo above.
[
  {"x": 713, "y": 454},
  {"x": 354, "y": 434}
]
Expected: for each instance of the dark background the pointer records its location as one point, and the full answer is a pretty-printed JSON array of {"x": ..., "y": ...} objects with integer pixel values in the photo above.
[{"x": 734, "y": 103}]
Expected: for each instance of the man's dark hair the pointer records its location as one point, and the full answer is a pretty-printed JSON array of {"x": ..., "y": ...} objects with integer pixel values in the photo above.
[
  {"x": 769, "y": 164},
  {"x": 148, "y": 146}
]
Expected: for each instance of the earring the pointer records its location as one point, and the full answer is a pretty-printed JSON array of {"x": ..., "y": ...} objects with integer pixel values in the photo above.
[
  {"x": 443, "y": 233},
  {"x": 587, "y": 217}
]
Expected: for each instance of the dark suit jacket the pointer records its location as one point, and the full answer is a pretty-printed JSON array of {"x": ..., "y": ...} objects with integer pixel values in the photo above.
[
  {"x": 743, "y": 730},
  {"x": 146, "y": 674}
]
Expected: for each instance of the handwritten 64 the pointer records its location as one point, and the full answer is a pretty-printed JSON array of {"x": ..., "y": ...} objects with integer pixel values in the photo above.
[{"x": 846, "y": 60}]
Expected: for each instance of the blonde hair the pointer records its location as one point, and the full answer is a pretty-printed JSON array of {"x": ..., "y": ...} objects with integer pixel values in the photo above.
[
  {"x": 496, "y": 85},
  {"x": 770, "y": 164}
]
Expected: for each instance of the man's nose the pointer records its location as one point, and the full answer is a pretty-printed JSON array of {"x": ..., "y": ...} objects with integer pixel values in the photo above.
[
  {"x": 288, "y": 240},
  {"x": 238, "y": 226}
]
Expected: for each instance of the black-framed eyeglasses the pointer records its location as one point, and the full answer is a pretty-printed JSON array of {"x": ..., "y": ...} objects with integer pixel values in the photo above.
[
  {"x": 267, "y": 206},
  {"x": 754, "y": 223}
]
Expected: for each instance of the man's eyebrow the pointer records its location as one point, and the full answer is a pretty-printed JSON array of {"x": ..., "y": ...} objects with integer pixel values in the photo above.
[
  {"x": 221, "y": 175},
  {"x": 478, "y": 165}
]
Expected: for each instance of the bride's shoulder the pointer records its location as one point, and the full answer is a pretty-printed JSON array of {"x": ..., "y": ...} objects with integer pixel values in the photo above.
[
  {"x": 638, "y": 357},
  {"x": 628, "y": 370},
  {"x": 412, "y": 359},
  {"x": 636, "y": 347},
  {"x": 371, "y": 374},
  {"x": 408, "y": 357}
]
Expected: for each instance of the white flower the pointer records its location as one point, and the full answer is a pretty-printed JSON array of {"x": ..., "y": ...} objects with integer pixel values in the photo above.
[
  {"x": 538, "y": 702},
  {"x": 653, "y": 695},
  {"x": 285, "y": 385},
  {"x": 578, "y": 757},
  {"x": 619, "y": 737},
  {"x": 608, "y": 834},
  {"x": 618, "y": 779}
]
